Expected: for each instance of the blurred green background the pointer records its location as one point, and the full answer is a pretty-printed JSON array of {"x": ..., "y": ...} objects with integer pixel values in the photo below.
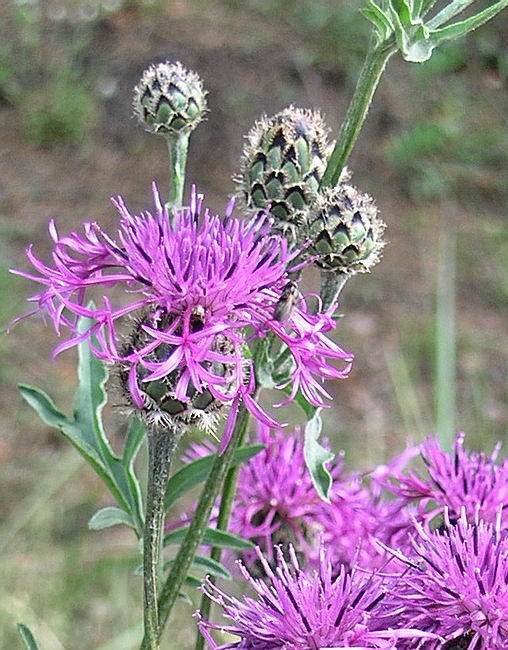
[{"x": 434, "y": 153}]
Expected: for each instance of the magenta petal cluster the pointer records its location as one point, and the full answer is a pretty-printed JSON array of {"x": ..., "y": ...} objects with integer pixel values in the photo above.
[
  {"x": 294, "y": 609},
  {"x": 457, "y": 585},
  {"x": 276, "y": 501},
  {"x": 460, "y": 480},
  {"x": 200, "y": 276}
]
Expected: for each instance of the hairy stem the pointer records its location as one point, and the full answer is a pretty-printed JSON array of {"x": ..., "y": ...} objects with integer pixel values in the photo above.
[
  {"x": 194, "y": 536},
  {"x": 178, "y": 146},
  {"x": 226, "y": 505},
  {"x": 331, "y": 286},
  {"x": 161, "y": 447},
  {"x": 373, "y": 67}
]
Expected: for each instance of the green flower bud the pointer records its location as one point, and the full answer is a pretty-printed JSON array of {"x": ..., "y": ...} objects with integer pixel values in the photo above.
[
  {"x": 169, "y": 99},
  {"x": 161, "y": 406},
  {"x": 282, "y": 165},
  {"x": 346, "y": 231}
]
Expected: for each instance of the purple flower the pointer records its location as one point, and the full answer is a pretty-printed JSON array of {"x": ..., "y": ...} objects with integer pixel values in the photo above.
[
  {"x": 276, "y": 501},
  {"x": 464, "y": 479},
  {"x": 200, "y": 283},
  {"x": 457, "y": 585},
  {"x": 297, "y": 610}
]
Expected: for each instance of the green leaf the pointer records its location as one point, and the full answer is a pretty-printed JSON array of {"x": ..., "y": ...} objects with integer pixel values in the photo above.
[
  {"x": 86, "y": 432},
  {"x": 448, "y": 12},
  {"x": 403, "y": 11},
  {"x": 28, "y": 637},
  {"x": 197, "y": 471},
  {"x": 316, "y": 457},
  {"x": 464, "y": 26},
  {"x": 110, "y": 516},
  {"x": 379, "y": 19},
  {"x": 212, "y": 537},
  {"x": 47, "y": 411},
  {"x": 208, "y": 565},
  {"x": 191, "y": 581},
  {"x": 398, "y": 27},
  {"x": 135, "y": 438}
]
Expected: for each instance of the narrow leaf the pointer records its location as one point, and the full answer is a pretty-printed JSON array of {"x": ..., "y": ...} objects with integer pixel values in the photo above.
[
  {"x": 400, "y": 32},
  {"x": 378, "y": 17},
  {"x": 191, "y": 581},
  {"x": 403, "y": 11},
  {"x": 463, "y": 27},
  {"x": 316, "y": 457},
  {"x": 448, "y": 12},
  {"x": 208, "y": 565},
  {"x": 197, "y": 471},
  {"x": 110, "y": 516},
  {"x": 47, "y": 411},
  {"x": 28, "y": 637},
  {"x": 212, "y": 537}
]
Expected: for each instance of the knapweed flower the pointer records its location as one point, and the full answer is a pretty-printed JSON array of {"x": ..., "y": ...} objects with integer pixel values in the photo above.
[
  {"x": 464, "y": 479},
  {"x": 315, "y": 610},
  {"x": 276, "y": 501},
  {"x": 457, "y": 585},
  {"x": 200, "y": 285}
]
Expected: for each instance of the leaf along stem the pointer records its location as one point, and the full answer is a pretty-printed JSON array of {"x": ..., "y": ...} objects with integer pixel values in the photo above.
[{"x": 373, "y": 67}]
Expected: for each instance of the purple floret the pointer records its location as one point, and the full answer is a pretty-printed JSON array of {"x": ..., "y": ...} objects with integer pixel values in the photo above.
[
  {"x": 457, "y": 586},
  {"x": 462, "y": 480},
  {"x": 204, "y": 280},
  {"x": 294, "y": 609}
]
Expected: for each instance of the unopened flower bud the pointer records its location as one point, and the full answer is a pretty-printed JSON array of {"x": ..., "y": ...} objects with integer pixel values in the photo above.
[
  {"x": 282, "y": 165},
  {"x": 169, "y": 99},
  {"x": 346, "y": 231}
]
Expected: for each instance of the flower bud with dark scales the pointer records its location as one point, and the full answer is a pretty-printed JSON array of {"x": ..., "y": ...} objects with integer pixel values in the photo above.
[{"x": 169, "y": 99}]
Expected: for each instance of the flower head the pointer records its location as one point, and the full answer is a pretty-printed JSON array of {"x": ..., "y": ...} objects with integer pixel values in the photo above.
[
  {"x": 276, "y": 501},
  {"x": 457, "y": 585},
  {"x": 462, "y": 480},
  {"x": 202, "y": 283},
  {"x": 297, "y": 610}
]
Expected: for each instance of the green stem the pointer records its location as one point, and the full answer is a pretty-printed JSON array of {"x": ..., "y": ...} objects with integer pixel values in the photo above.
[
  {"x": 161, "y": 446},
  {"x": 446, "y": 343},
  {"x": 226, "y": 506},
  {"x": 373, "y": 67},
  {"x": 178, "y": 146},
  {"x": 331, "y": 286},
  {"x": 190, "y": 544}
]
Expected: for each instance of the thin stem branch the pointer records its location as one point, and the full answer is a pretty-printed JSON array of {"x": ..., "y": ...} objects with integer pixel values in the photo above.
[
  {"x": 226, "y": 506},
  {"x": 373, "y": 67},
  {"x": 161, "y": 447},
  {"x": 190, "y": 544},
  {"x": 178, "y": 146},
  {"x": 331, "y": 286}
]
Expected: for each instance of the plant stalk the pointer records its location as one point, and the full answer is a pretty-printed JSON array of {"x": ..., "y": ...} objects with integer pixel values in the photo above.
[
  {"x": 178, "y": 146},
  {"x": 161, "y": 447},
  {"x": 226, "y": 506},
  {"x": 373, "y": 67},
  {"x": 199, "y": 523},
  {"x": 331, "y": 286}
]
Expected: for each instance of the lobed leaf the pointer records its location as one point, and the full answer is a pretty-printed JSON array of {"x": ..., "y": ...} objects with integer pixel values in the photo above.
[
  {"x": 86, "y": 432},
  {"x": 316, "y": 457}
]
